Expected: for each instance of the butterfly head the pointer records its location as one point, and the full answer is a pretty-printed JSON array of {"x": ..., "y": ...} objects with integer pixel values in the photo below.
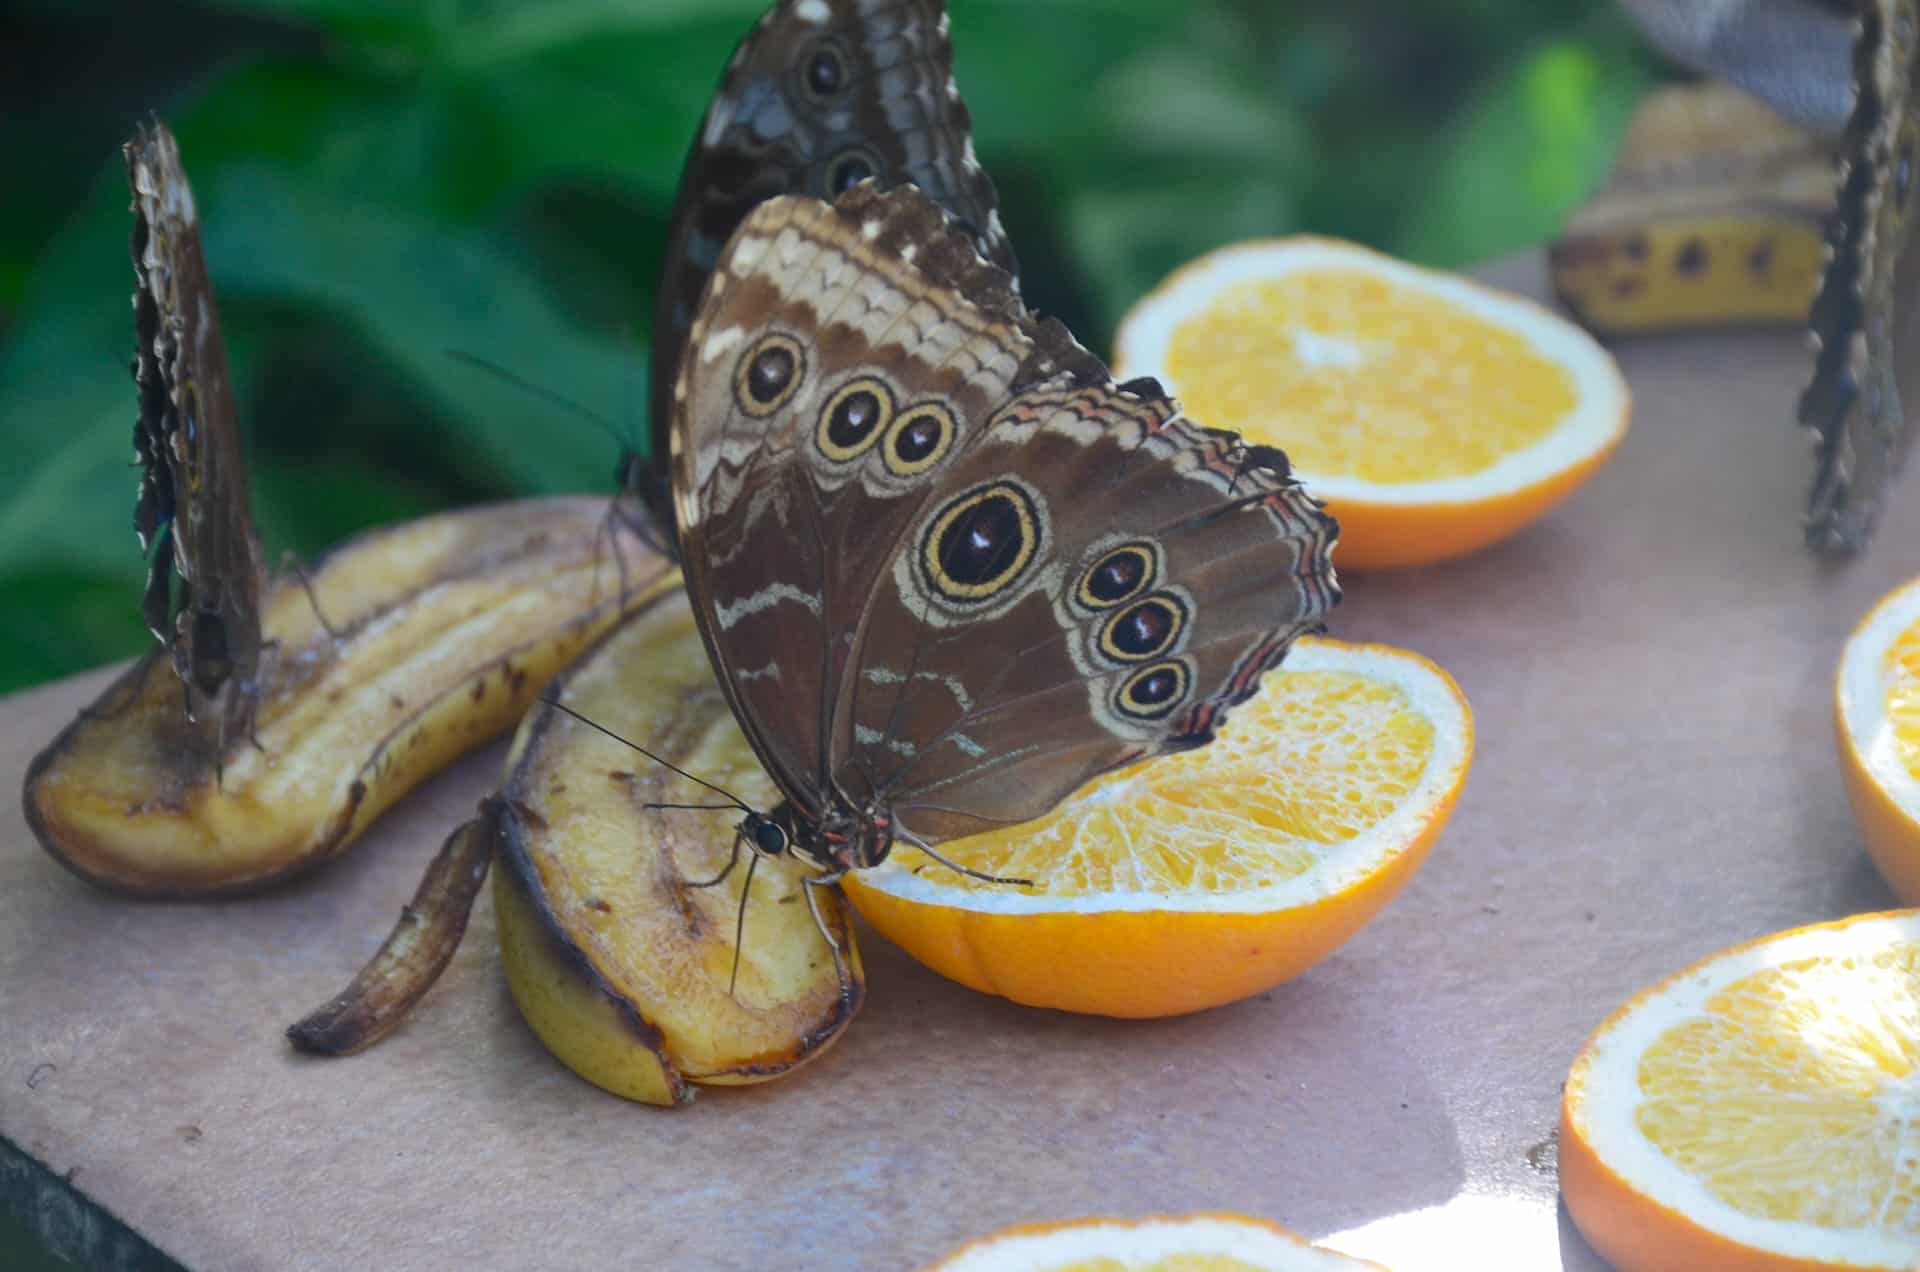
[{"x": 848, "y": 836}]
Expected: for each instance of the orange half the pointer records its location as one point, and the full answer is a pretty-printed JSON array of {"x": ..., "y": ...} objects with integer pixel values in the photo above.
[
  {"x": 1877, "y": 719},
  {"x": 1435, "y": 415},
  {"x": 1196, "y": 879},
  {"x": 1206, "y": 1242},
  {"x": 1759, "y": 1111}
]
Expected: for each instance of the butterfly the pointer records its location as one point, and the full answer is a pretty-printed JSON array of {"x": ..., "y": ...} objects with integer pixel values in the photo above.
[
  {"x": 1863, "y": 319},
  {"x": 818, "y": 96},
  {"x": 1843, "y": 70},
  {"x": 946, "y": 569},
  {"x": 205, "y": 577}
]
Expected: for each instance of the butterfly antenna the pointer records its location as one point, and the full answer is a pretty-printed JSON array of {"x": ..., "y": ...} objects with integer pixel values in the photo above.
[
  {"x": 630, "y": 394},
  {"x": 558, "y": 705},
  {"x": 955, "y": 866},
  {"x": 541, "y": 392},
  {"x": 740, "y": 917}
]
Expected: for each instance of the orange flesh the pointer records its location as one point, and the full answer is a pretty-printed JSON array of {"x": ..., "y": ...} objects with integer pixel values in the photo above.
[
  {"x": 1313, "y": 760},
  {"x": 1172, "y": 1263},
  {"x": 1356, "y": 376},
  {"x": 1901, "y": 674},
  {"x": 1785, "y": 1099}
]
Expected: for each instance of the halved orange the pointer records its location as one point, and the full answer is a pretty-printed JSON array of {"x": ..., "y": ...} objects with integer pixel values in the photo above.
[
  {"x": 1204, "y": 877},
  {"x": 1212, "y": 1241},
  {"x": 1435, "y": 415},
  {"x": 1876, "y": 705},
  {"x": 1759, "y": 1110}
]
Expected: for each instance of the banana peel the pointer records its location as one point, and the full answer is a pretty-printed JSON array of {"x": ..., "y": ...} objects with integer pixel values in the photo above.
[
  {"x": 412, "y": 957},
  {"x": 403, "y": 649},
  {"x": 1714, "y": 214},
  {"x": 635, "y": 970}
]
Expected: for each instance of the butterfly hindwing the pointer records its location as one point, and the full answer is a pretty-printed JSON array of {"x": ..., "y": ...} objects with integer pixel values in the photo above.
[
  {"x": 941, "y": 560},
  {"x": 820, "y": 95}
]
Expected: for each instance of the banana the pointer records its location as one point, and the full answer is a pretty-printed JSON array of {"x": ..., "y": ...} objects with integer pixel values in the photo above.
[
  {"x": 1714, "y": 214},
  {"x": 405, "y": 648},
  {"x": 641, "y": 976}
]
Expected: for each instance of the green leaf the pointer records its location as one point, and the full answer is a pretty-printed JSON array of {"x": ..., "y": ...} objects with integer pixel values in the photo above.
[
  {"x": 57, "y": 621},
  {"x": 69, "y": 403},
  {"x": 415, "y": 293},
  {"x": 1520, "y": 159}
]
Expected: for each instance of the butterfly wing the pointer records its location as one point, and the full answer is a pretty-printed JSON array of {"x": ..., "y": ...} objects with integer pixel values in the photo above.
[
  {"x": 205, "y": 578},
  {"x": 820, "y": 95},
  {"x": 1863, "y": 318},
  {"x": 1789, "y": 53},
  {"x": 896, "y": 490}
]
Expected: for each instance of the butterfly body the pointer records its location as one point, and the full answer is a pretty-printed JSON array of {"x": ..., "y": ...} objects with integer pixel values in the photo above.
[
  {"x": 819, "y": 96},
  {"x": 946, "y": 569}
]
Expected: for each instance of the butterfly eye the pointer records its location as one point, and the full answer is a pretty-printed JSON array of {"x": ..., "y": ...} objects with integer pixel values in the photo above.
[
  {"x": 854, "y": 416},
  {"x": 848, "y": 169},
  {"x": 981, "y": 542},
  {"x": 1153, "y": 692},
  {"x": 1143, "y": 630},
  {"x": 919, "y": 439},
  {"x": 1121, "y": 573},
  {"x": 768, "y": 838},
  {"x": 768, "y": 374},
  {"x": 825, "y": 74}
]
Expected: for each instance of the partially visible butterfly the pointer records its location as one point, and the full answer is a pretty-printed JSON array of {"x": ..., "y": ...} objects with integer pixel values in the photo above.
[
  {"x": 1863, "y": 319},
  {"x": 1822, "y": 64},
  {"x": 820, "y": 95},
  {"x": 946, "y": 569},
  {"x": 205, "y": 576}
]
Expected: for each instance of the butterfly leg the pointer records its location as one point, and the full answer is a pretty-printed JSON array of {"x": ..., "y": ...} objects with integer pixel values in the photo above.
[
  {"x": 610, "y": 531},
  {"x": 292, "y": 564},
  {"x": 733, "y": 860},
  {"x": 955, "y": 866},
  {"x": 740, "y": 916},
  {"x": 808, "y": 884}
]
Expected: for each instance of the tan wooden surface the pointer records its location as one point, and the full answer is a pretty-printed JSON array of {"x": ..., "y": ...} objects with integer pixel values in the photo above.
[{"x": 1650, "y": 669}]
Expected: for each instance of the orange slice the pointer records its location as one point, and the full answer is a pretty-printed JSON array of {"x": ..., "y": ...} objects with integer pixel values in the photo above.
[
  {"x": 1433, "y": 414},
  {"x": 1207, "y": 1242},
  {"x": 1877, "y": 716},
  {"x": 1760, "y": 1110},
  {"x": 1200, "y": 878}
]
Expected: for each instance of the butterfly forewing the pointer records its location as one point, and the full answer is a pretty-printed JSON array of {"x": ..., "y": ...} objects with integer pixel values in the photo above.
[
  {"x": 1863, "y": 318},
  {"x": 818, "y": 344},
  {"x": 205, "y": 575},
  {"x": 820, "y": 95},
  {"x": 942, "y": 562}
]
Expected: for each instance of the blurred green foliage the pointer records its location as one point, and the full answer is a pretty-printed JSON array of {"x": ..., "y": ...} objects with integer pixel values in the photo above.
[{"x": 383, "y": 182}]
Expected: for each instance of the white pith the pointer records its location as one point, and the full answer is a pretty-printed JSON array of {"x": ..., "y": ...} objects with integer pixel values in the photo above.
[
  {"x": 1597, "y": 421},
  {"x": 1149, "y": 1240},
  {"x": 1605, "y": 1089},
  {"x": 1340, "y": 867},
  {"x": 1863, "y": 694}
]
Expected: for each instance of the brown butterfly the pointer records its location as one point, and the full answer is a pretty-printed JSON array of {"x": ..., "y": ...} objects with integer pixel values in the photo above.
[
  {"x": 946, "y": 569},
  {"x": 205, "y": 577},
  {"x": 820, "y": 95},
  {"x": 1844, "y": 70},
  {"x": 1863, "y": 318}
]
